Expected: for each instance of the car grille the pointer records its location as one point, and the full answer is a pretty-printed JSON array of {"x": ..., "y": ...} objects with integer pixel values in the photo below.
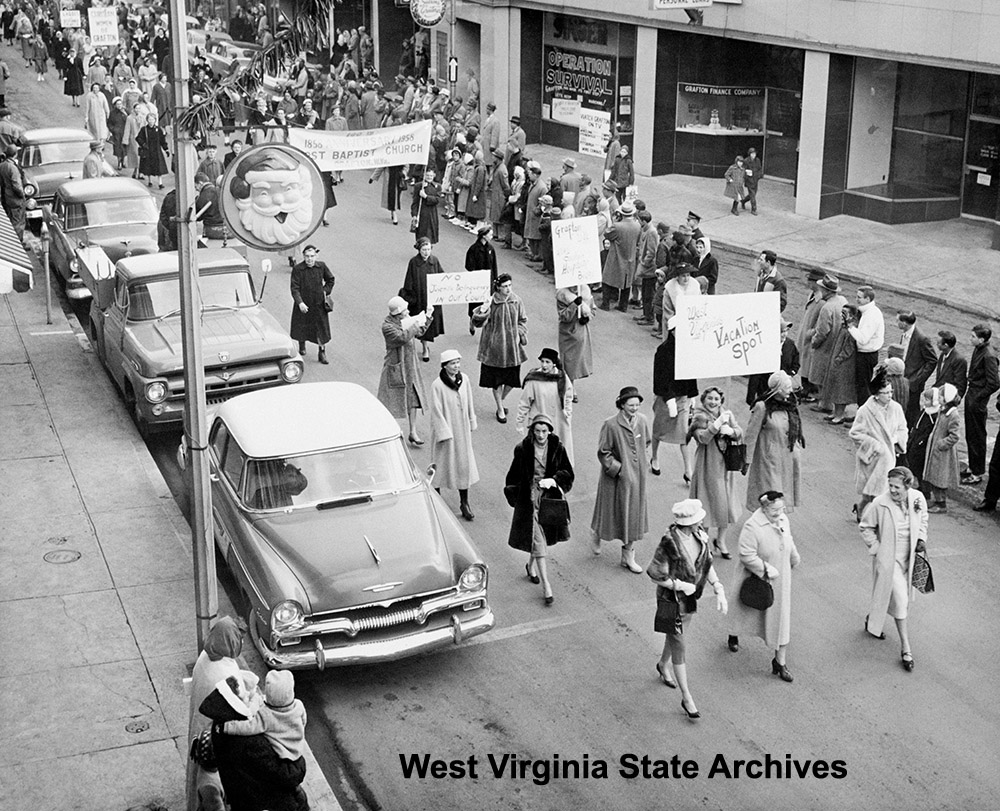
[
  {"x": 241, "y": 379},
  {"x": 372, "y": 623},
  {"x": 376, "y": 617}
]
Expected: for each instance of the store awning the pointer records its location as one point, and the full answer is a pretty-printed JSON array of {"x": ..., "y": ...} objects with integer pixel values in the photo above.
[{"x": 15, "y": 266}]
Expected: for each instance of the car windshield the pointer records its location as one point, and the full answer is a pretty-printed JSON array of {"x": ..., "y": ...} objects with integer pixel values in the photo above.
[
  {"x": 161, "y": 297},
  {"x": 319, "y": 478},
  {"x": 60, "y": 152},
  {"x": 122, "y": 210}
]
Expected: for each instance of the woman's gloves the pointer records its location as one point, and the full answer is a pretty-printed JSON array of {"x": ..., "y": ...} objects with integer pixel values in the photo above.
[
  {"x": 684, "y": 587},
  {"x": 721, "y": 603},
  {"x": 546, "y": 484},
  {"x": 770, "y": 571}
]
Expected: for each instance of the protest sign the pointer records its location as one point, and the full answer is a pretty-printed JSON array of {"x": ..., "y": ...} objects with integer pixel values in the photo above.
[
  {"x": 365, "y": 149},
  {"x": 576, "y": 252},
  {"x": 718, "y": 336},
  {"x": 468, "y": 287},
  {"x": 595, "y": 130},
  {"x": 103, "y": 26},
  {"x": 70, "y": 18}
]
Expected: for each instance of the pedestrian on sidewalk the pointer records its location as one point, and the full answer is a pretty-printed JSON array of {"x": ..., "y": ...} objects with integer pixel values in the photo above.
[
  {"x": 645, "y": 272},
  {"x": 681, "y": 568},
  {"x": 12, "y": 189},
  {"x": 767, "y": 550},
  {"x": 453, "y": 419},
  {"x": 612, "y": 149},
  {"x": 992, "y": 492},
  {"x": 983, "y": 381},
  {"x": 311, "y": 283},
  {"x": 880, "y": 436},
  {"x": 941, "y": 465},
  {"x": 281, "y": 718},
  {"x": 516, "y": 141},
  {"x": 540, "y": 468},
  {"x": 623, "y": 173},
  {"x": 919, "y": 361},
  {"x": 620, "y": 510},
  {"x": 774, "y": 441},
  {"x": 753, "y": 171},
  {"x": 735, "y": 178},
  {"x": 894, "y": 528},
  {"x": 920, "y": 435},
  {"x": 769, "y": 279},
  {"x": 952, "y": 366},
  {"x": 869, "y": 334},
  {"x": 501, "y": 344},
  {"x": 661, "y": 269},
  {"x": 537, "y": 188},
  {"x": 10, "y": 133}
]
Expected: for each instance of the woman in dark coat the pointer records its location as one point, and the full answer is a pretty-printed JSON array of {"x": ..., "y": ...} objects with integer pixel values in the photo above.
[
  {"x": 414, "y": 290},
  {"x": 481, "y": 256},
  {"x": 116, "y": 127},
  {"x": 73, "y": 86},
  {"x": 393, "y": 184},
  {"x": 425, "y": 208},
  {"x": 310, "y": 284},
  {"x": 60, "y": 49},
  {"x": 152, "y": 150},
  {"x": 670, "y": 423},
  {"x": 540, "y": 464}
]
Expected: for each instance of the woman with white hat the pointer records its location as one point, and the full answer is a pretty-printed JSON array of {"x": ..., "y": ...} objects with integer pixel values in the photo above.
[
  {"x": 681, "y": 567},
  {"x": 453, "y": 419}
]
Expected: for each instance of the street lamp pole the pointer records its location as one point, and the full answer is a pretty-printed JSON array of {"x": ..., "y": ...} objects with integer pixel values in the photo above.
[
  {"x": 196, "y": 420},
  {"x": 45, "y": 270}
]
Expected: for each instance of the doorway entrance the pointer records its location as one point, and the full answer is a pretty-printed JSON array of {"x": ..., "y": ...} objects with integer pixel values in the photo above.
[{"x": 981, "y": 193}]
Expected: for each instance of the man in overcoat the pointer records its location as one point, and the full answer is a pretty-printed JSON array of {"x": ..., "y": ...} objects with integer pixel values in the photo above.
[
  {"x": 983, "y": 381},
  {"x": 311, "y": 282},
  {"x": 622, "y": 240},
  {"x": 919, "y": 360},
  {"x": 822, "y": 340}
]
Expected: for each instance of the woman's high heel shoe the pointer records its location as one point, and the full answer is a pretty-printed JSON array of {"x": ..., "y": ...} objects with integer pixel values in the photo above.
[
  {"x": 665, "y": 678},
  {"x": 780, "y": 670},
  {"x": 534, "y": 578},
  {"x": 690, "y": 714},
  {"x": 907, "y": 658},
  {"x": 415, "y": 441},
  {"x": 723, "y": 555},
  {"x": 878, "y": 636}
]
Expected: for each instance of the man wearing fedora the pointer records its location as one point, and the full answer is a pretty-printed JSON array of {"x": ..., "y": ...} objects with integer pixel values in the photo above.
[
  {"x": 621, "y": 240},
  {"x": 516, "y": 142},
  {"x": 620, "y": 511},
  {"x": 569, "y": 182},
  {"x": 491, "y": 129},
  {"x": 809, "y": 388},
  {"x": 94, "y": 164},
  {"x": 822, "y": 341}
]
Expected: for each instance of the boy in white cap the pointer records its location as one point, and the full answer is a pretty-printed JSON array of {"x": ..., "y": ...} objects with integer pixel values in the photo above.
[{"x": 281, "y": 718}]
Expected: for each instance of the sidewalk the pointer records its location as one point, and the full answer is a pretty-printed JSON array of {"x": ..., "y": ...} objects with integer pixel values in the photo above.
[
  {"x": 96, "y": 587},
  {"x": 945, "y": 263}
]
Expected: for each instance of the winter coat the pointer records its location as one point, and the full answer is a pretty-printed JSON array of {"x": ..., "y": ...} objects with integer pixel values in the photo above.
[
  {"x": 95, "y": 113},
  {"x": 399, "y": 334},
  {"x": 620, "y": 511},
  {"x": 540, "y": 395},
  {"x": 393, "y": 184},
  {"x": 133, "y": 125},
  {"x": 481, "y": 256},
  {"x": 414, "y": 290},
  {"x": 310, "y": 285},
  {"x": 665, "y": 383},
  {"x": 645, "y": 257},
  {"x": 712, "y": 483},
  {"x": 532, "y": 213},
  {"x": 878, "y": 531},
  {"x": 519, "y": 484},
  {"x": 152, "y": 148},
  {"x": 619, "y": 267},
  {"x": 73, "y": 86},
  {"x": 839, "y": 385},
  {"x": 575, "y": 347},
  {"x": 40, "y": 56},
  {"x": 505, "y": 332},
  {"x": 772, "y": 465},
  {"x": 762, "y": 542},
  {"x": 941, "y": 465},
  {"x": 425, "y": 209},
  {"x": 623, "y": 172},
  {"x": 876, "y": 432},
  {"x": 453, "y": 419},
  {"x": 735, "y": 182},
  {"x": 475, "y": 209},
  {"x": 707, "y": 267},
  {"x": 499, "y": 191},
  {"x": 828, "y": 322},
  {"x": 116, "y": 131},
  {"x": 806, "y": 330},
  {"x": 671, "y": 562}
]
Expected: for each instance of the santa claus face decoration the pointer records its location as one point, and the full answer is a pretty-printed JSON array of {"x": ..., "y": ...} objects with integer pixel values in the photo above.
[{"x": 273, "y": 197}]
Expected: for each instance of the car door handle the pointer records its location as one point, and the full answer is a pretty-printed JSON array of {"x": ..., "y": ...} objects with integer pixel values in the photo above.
[{"x": 213, "y": 477}]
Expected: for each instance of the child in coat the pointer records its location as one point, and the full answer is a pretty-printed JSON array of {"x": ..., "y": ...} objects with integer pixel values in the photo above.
[
  {"x": 941, "y": 467},
  {"x": 282, "y": 717},
  {"x": 920, "y": 434}
]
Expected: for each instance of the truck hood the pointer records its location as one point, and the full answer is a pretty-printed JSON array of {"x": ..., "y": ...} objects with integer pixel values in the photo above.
[
  {"x": 248, "y": 335},
  {"x": 50, "y": 176},
  {"x": 141, "y": 238},
  {"x": 327, "y": 553}
]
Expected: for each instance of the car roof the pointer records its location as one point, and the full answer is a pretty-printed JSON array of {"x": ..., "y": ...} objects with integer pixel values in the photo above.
[
  {"x": 48, "y": 135},
  {"x": 292, "y": 420},
  {"x": 158, "y": 264},
  {"x": 94, "y": 188}
]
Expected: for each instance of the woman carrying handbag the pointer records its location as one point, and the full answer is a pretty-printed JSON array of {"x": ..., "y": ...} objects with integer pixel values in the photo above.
[{"x": 540, "y": 472}]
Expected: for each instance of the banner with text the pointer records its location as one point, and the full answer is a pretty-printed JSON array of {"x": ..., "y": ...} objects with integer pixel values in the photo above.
[
  {"x": 365, "y": 149},
  {"x": 103, "y": 26},
  {"x": 595, "y": 132},
  {"x": 719, "y": 336},
  {"x": 576, "y": 251},
  {"x": 468, "y": 287},
  {"x": 70, "y": 18}
]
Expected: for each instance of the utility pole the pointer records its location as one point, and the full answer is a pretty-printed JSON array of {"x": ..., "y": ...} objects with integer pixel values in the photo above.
[{"x": 206, "y": 591}]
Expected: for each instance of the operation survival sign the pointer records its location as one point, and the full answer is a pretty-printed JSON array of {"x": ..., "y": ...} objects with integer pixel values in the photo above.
[{"x": 721, "y": 336}]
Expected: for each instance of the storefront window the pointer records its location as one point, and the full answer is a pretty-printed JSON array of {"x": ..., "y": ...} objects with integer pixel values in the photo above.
[
  {"x": 715, "y": 110},
  {"x": 931, "y": 100},
  {"x": 587, "y": 65},
  {"x": 986, "y": 95}
]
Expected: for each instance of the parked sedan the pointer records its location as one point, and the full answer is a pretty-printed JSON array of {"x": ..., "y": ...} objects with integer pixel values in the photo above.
[
  {"x": 51, "y": 156},
  {"x": 117, "y": 214},
  {"x": 343, "y": 551}
]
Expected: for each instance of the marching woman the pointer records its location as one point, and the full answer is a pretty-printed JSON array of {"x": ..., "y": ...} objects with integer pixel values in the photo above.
[
  {"x": 501, "y": 345},
  {"x": 767, "y": 548},
  {"x": 879, "y": 434},
  {"x": 540, "y": 466},
  {"x": 575, "y": 308},
  {"x": 393, "y": 184},
  {"x": 414, "y": 290},
  {"x": 152, "y": 150},
  {"x": 453, "y": 419},
  {"x": 894, "y": 528},
  {"x": 681, "y": 567},
  {"x": 400, "y": 388},
  {"x": 774, "y": 441},
  {"x": 548, "y": 390}
]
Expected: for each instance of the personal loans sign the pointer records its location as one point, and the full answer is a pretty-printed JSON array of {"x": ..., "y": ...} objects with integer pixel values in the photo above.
[
  {"x": 718, "y": 336},
  {"x": 572, "y": 73}
]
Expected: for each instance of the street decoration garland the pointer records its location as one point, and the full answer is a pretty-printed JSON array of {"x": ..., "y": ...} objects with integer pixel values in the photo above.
[{"x": 307, "y": 31}]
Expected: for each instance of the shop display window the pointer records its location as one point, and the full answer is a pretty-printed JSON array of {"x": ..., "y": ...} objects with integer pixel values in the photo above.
[{"x": 720, "y": 109}]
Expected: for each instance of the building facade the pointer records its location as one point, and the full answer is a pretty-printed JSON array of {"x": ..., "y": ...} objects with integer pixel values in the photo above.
[{"x": 883, "y": 109}]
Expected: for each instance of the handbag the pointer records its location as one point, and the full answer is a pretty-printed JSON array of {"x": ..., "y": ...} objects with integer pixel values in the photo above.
[
  {"x": 328, "y": 304},
  {"x": 553, "y": 511},
  {"x": 923, "y": 577},
  {"x": 734, "y": 454},
  {"x": 668, "y": 618},
  {"x": 756, "y": 592},
  {"x": 202, "y": 752}
]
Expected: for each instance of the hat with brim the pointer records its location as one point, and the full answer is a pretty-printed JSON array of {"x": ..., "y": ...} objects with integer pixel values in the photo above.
[
  {"x": 484, "y": 229},
  {"x": 688, "y": 512},
  {"x": 831, "y": 283},
  {"x": 515, "y": 120},
  {"x": 95, "y": 143},
  {"x": 549, "y": 354},
  {"x": 397, "y": 304},
  {"x": 541, "y": 418},
  {"x": 815, "y": 275},
  {"x": 570, "y": 162},
  {"x": 626, "y": 209},
  {"x": 609, "y": 185},
  {"x": 449, "y": 355},
  {"x": 692, "y": 216},
  {"x": 627, "y": 393},
  {"x": 497, "y": 152}
]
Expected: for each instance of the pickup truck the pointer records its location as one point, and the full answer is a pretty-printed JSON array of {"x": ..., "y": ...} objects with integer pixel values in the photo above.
[{"x": 135, "y": 329}]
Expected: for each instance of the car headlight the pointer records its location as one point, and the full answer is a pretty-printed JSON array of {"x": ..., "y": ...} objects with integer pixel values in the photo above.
[
  {"x": 292, "y": 372},
  {"x": 286, "y": 615},
  {"x": 31, "y": 203},
  {"x": 29, "y": 190},
  {"x": 74, "y": 265},
  {"x": 156, "y": 392},
  {"x": 473, "y": 578}
]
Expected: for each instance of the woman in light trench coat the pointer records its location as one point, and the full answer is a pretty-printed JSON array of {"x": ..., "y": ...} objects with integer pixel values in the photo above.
[
  {"x": 400, "y": 388},
  {"x": 453, "y": 419},
  {"x": 894, "y": 528}
]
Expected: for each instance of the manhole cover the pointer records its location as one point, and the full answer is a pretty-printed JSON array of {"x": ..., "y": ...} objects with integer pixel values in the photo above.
[
  {"x": 62, "y": 556},
  {"x": 136, "y": 726}
]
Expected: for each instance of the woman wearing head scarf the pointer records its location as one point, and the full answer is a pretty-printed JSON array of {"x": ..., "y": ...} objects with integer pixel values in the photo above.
[
  {"x": 414, "y": 290},
  {"x": 216, "y": 661},
  {"x": 879, "y": 435},
  {"x": 548, "y": 390},
  {"x": 501, "y": 345},
  {"x": 540, "y": 467},
  {"x": 894, "y": 528},
  {"x": 707, "y": 269},
  {"x": 774, "y": 441},
  {"x": 400, "y": 388},
  {"x": 767, "y": 550},
  {"x": 681, "y": 568},
  {"x": 941, "y": 465},
  {"x": 575, "y": 308}
]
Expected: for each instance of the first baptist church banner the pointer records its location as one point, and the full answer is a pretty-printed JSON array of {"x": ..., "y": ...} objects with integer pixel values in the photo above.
[{"x": 365, "y": 149}]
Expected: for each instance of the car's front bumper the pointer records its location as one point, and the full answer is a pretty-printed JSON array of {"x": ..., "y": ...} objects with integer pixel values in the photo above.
[{"x": 312, "y": 653}]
